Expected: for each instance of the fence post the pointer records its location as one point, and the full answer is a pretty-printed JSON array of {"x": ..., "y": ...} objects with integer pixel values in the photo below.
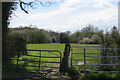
[
  {"x": 116, "y": 60},
  {"x": 39, "y": 62},
  {"x": 71, "y": 56},
  {"x": 64, "y": 66},
  {"x": 84, "y": 62},
  {"x": 97, "y": 58}
]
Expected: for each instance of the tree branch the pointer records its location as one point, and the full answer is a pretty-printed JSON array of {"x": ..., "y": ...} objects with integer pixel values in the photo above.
[
  {"x": 43, "y": 3},
  {"x": 23, "y": 8}
]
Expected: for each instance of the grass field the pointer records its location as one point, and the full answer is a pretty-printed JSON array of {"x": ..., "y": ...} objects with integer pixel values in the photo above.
[
  {"x": 51, "y": 46},
  {"x": 54, "y": 46}
]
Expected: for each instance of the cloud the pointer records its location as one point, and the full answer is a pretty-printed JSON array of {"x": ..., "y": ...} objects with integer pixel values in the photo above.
[
  {"x": 61, "y": 10},
  {"x": 73, "y": 14},
  {"x": 69, "y": 3},
  {"x": 103, "y": 3},
  {"x": 70, "y": 6}
]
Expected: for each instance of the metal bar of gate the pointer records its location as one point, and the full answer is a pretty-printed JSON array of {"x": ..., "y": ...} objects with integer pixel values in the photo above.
[
  {"x": 116, "y": 59},
  {"x": 39, "y": 62},
  {"x": 71, "y": 56},
  {"x": 84, "y": 62},
  {"x": 97, "y": 58}
]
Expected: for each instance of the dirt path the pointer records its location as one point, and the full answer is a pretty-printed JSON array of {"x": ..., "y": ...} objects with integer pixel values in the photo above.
[{"x": 34, "y": 76}]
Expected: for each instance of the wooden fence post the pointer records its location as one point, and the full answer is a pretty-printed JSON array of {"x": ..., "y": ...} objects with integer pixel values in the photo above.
[{"x": 64, "y": 66}]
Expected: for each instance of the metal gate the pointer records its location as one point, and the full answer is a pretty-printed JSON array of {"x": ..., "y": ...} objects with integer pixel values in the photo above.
[
  {"x": 39, "y": 61},
  {"x": 95, "y": 59}
]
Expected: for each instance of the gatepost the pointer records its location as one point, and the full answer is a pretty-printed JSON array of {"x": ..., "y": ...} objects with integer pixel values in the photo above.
[{"x": 64, "y": 66}]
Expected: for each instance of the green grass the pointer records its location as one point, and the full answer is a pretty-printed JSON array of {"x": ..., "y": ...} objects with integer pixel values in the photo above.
[
  {"x": 51, "y": 46},
  {"x": 89, "y": 48}
]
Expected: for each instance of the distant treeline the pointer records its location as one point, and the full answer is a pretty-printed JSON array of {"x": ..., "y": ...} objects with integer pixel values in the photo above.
[
  {"x": 17, "y": 38},
  {"x": 87, "y": 35}
]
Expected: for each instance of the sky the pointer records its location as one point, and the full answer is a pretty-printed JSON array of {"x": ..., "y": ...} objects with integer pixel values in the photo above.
[{"x": 69, "y": 15}]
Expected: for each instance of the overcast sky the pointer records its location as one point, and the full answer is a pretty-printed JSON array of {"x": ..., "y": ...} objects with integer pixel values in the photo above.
[{"x": 70, "y": 15}]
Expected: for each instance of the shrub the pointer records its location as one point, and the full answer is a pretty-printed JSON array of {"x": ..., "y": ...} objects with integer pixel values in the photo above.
[
  {"x": 42, "y": 37},
  {"x": 73, "y": 73},
  {"x": 16, "y": 43},
  {"x": 117, "y": 76},
  {"x": 89, "y": 76},
  {"x": 98, "y": 76},
  {"x": 64, "y": 38},
  {"x": 86, "y": 41},
  {"x": 109, "y": 40},
  {"x": 38, "y": 36},
  {"x": 95, "y": 39}
]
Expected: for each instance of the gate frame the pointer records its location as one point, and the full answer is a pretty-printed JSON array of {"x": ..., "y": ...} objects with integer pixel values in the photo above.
[
  {"x": 116, "y": 56},
  {"x": 18, "y": 55}
]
